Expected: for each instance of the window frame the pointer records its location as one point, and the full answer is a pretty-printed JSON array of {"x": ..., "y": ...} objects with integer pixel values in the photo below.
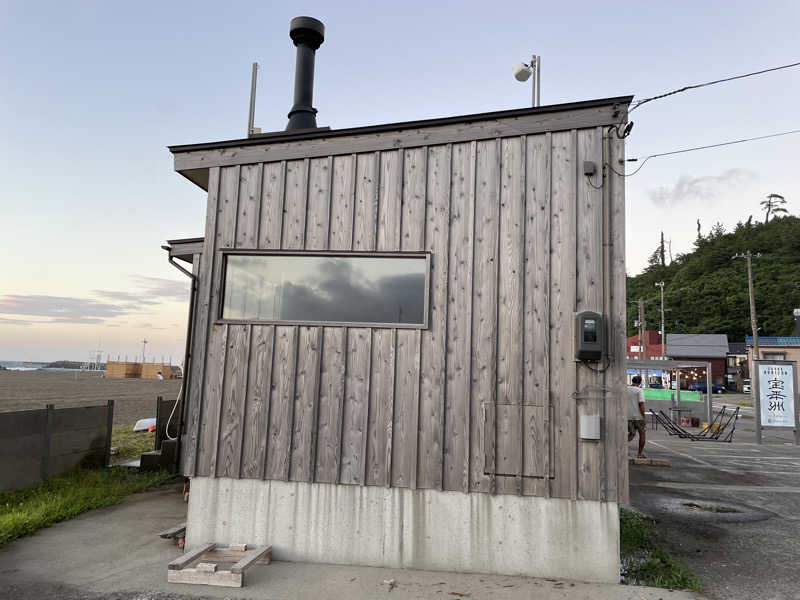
[{"x": 226, "y": 252}]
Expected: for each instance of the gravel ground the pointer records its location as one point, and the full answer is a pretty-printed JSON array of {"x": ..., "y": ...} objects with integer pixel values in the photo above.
[{"x": 133, "y": 398}]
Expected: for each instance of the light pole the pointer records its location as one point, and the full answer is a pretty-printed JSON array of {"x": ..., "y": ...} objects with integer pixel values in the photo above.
[{"x": 523, "y": 71}]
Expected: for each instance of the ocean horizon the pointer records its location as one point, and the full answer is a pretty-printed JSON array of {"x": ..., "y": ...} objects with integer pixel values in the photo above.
[{"x": 26, "y": 365}]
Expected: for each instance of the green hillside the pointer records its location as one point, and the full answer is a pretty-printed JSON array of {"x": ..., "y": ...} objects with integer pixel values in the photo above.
[{"x": 706, "y": 289}]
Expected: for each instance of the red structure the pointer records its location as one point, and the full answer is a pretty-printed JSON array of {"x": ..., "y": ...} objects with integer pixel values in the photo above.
[{"x": 652, "y": 341}]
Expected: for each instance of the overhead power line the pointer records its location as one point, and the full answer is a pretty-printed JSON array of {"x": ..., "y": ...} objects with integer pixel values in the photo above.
[
  {"x": 648, "y": 157},
  {"x": 699, "y": 85}
]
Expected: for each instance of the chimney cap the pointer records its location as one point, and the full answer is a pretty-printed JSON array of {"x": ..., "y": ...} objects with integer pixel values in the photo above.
[{"x": 308, "y": 30}]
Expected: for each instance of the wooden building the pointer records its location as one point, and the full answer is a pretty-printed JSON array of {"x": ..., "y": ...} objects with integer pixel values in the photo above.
[
  {"x": 116, "y": 369},
  {"x": 429, "y": 414}
]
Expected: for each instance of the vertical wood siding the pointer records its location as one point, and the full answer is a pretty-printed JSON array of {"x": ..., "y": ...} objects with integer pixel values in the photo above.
[{"x": 487, "y": 398}]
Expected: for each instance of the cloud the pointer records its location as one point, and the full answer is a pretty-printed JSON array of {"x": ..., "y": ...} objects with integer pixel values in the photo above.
[
  {"x": 147, "y": 326},
  {"x": 132, "y": 298},
  {"x": 689, "y": 188},
  {"x": 60, "y": 309},
  {"x": 91, "y": 311},
  {"x": 166, "y": 289},
  {"x": 22, "y": 322}
]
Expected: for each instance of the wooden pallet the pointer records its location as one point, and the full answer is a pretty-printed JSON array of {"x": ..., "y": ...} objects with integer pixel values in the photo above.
[
  {"x": 206, "y": 569},
  {"x": 653, "y": 462},
  {"x": 174, "y": 533}
]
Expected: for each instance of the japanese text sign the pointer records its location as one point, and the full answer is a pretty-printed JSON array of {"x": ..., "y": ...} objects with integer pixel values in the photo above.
[{"x": 776, "y": 395}]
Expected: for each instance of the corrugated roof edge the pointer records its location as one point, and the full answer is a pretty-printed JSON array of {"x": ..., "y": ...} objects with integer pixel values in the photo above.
[
  {"x": 287, "y": 136},
  {"x": 781, "y": 340}
]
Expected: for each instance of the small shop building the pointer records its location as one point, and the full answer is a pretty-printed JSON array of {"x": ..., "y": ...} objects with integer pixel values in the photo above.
[{"x": 387, "y": 357}]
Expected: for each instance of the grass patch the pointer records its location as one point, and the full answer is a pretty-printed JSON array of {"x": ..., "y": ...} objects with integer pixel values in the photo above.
[
  {"x": 745, "y": 403},
  {"x": 130, "y": 444},
  {"x": 644, "y": 562},
  {"x": 22, "y": 512}
]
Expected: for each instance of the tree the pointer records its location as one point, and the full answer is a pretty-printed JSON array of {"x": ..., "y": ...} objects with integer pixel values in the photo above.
[
  {"x": 718, "y": 230},
  {"x": 773, "y": 205},
  {"x": 661, "y": 252}
]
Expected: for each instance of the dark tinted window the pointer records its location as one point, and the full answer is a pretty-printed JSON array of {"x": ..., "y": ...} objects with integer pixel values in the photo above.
[{"x": 328, "y": 289}]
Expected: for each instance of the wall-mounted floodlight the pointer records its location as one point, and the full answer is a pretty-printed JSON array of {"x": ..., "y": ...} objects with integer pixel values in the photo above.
[{"x": 523, "y": 72}]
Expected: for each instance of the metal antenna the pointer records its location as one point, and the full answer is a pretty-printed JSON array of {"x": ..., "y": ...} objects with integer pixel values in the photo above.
[
  {"x": 144, "y": 343},
  {"x": 251, "y": 118}
]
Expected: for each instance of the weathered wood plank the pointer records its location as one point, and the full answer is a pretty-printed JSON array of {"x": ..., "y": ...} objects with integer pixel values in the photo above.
[
  {"x": 365, "y": 218},
  {"x": 256, "y": 422},
  {"x": 381, "y": 402},
  {"x": 434, "y": 339},
  {"x": 198, "y": 577},
  {"x": 319, "y": 204},
  {"x": 406, "y": 409},
  {"x": 390, "y": 200},
  {"x": 510, "y": 438},
  {"x": 249, "y": 206},
  {"x": 294, "y": 207},
  {"x": 616, "y": 377},
  {"x": 413, "y": 213},
  {"x": 271, "y": 217},
  {"x": 331, "y": 400},
  {"x": 214, "y": 374},
  {"x": 560, "y": 120},
  {"x": 305, "y": 402},
  {"x": 562, "y": 308},
  {"x": 194, "y": 409},
  {"x": 189, "y": 557},
  {"x": 343, "y": 191},
  {"x": 381, "y": 398},
  {"x": 483, "y": 292},
  {"x": 217, "y": 344},
  {"x": 234, "y": 391},
  {"x": 610, "y": 416},
  {"x": 589, "y": 296},
  {"x": 250, "y": 558},
  {"x": 459, "y": 319},
  {"x": 536, "y": 317},
  {"x": 356, "y": 405},
  {"x": 281, "y": 403},
  {"x": 405, "y": 428}
]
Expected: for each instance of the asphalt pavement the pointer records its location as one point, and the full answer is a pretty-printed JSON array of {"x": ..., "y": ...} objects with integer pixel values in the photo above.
[{"x": 729, "y": 511}]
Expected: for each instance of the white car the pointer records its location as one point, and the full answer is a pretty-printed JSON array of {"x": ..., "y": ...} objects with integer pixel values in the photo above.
[{"x": 746, "y": 386}]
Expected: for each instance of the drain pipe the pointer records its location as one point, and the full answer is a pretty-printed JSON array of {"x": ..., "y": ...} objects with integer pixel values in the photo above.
[{"x": 187, "y": 356}]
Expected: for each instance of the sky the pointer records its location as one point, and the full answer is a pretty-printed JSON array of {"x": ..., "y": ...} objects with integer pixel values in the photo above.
[{"x": 91, "y": 93}]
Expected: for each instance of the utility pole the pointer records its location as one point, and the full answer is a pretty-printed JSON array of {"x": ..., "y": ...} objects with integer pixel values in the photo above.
[
  {"x": 144, "y": 345},
  {"x": 660, "y": 284},
  {"x": 642, "y": 330},
  {"x": 748, "y": 256}
]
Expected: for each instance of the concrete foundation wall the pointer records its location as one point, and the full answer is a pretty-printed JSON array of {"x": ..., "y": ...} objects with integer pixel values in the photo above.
[{"x": 399, "y": 527}]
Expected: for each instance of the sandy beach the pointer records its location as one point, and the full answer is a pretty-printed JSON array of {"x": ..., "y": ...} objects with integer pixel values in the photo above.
[{"x": 134, "y": 398}]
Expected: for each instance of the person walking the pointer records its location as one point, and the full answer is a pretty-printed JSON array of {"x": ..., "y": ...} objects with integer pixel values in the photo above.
[{"x": 636, "y": 420}]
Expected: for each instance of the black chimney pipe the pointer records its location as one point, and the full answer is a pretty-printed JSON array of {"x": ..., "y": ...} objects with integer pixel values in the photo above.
[{"x": 307, "y": 34}]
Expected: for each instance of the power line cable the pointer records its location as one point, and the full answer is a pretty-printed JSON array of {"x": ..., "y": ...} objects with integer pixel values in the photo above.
[
  {"x": 648, "y": 157},
  {"x": 699, "y": 85}
]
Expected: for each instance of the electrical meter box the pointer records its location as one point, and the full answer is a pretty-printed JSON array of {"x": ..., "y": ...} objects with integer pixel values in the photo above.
[{"x": 590, "y": 336}]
